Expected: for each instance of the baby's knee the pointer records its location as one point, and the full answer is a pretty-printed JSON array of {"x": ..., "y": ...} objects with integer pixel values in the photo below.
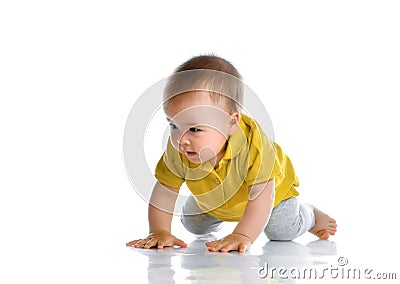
[
  {"x": 192, "y": 228},
  {"x": 280, "y": 233},
  {"x": 196, "y": 226}
]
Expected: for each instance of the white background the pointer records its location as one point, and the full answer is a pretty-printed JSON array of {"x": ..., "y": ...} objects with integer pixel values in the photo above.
[{"x": 70, "y": 71}]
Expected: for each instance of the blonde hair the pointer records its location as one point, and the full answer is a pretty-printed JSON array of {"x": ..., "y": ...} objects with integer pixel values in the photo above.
[{"x": 206, "y": 73}]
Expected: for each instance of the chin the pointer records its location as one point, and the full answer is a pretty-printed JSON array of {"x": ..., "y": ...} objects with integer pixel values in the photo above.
[{"x": 194, "y": 160}]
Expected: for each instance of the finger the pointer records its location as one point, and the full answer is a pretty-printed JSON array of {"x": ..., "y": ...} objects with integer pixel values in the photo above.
[
  {"x": 242, "y": 248},
  {"x": 131, "y": 243},
  {"x": 141, "y": 243},
  {"x": 216, "y": 246},
  {"x": 180, "y": 243},
  {"x": 161, "y": 244},
  {"x": 211, "y": 243},
  {"x": 228, "y": 247},
  {"x": 150, "y": 243},
  {"x": 165, "y": 243},
  {"x": 134, "y": 242}
]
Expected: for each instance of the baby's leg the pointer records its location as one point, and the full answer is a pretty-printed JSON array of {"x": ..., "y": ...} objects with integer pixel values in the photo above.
[
  {"x": 324, "y": 225},
  {"x": 196, "y": 221},
  {"x": 289, "y": 220}
]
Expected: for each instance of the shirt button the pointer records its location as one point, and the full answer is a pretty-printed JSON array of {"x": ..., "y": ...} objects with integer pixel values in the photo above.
[{"x": 217, "y": 181}]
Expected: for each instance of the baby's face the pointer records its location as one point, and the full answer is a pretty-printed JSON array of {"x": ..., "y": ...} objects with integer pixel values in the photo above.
[{"x": 199, "y": 127}]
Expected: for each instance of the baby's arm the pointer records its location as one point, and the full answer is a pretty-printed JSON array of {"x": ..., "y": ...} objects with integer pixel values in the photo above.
[
  {"x": 254, "y": 219},
  {"x": 161, "y": 208}
]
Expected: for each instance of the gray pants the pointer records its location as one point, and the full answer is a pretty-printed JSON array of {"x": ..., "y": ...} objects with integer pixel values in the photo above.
[{"x": 288, "y": 220}]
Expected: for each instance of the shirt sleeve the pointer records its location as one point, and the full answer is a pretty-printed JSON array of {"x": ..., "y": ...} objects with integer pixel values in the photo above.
[{"x": 170, "y": 169}]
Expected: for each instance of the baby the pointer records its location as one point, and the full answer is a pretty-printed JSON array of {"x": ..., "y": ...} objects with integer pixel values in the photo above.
[{"x": 233, "y": 170}]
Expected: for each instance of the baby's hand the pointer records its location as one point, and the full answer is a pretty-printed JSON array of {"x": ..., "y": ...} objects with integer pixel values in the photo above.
[
  {"x": 231, "y": 242},
  {"x": 159, "y": 239}
]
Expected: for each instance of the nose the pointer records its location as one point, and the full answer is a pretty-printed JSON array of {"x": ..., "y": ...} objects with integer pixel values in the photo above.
[{"x": 183, "y": 140}]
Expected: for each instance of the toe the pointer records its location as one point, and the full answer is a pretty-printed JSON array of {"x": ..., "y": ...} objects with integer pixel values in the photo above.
[
  {"x": 330, "y": 231},
  {"x": 324, "y": 235},
  {"x": 333, "y": 226}
]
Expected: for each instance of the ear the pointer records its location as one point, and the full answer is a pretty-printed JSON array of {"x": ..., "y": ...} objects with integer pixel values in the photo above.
[{"x": 234, "y": 119}]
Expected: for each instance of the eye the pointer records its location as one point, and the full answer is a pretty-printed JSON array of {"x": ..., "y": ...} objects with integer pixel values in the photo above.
[
  {"x": 194, "y": 129},
  {"x": 172, "y": 126}
]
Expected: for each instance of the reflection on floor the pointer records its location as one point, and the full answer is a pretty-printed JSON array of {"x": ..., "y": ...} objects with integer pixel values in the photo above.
[{"x": 262, "y": 264}]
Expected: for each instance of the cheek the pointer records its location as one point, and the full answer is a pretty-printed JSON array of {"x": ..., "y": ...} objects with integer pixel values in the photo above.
[
  {"x": 207, "y": 153},
  {"x": 174, "y": 136},
  {"x": 218, "y": 142}
]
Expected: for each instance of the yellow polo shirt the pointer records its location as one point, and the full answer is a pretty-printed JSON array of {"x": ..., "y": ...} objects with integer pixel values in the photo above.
[{"x": 250, "y": 158}]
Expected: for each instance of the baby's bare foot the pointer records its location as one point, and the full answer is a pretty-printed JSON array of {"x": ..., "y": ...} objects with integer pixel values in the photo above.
[{"x": 324, "y": 225}]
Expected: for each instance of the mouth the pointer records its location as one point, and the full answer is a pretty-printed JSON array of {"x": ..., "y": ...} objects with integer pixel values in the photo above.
[{"x": 190, "y": 153}]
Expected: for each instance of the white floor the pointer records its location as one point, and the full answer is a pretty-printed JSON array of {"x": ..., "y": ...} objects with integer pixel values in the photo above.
[{"x": 342, "y": 258}]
